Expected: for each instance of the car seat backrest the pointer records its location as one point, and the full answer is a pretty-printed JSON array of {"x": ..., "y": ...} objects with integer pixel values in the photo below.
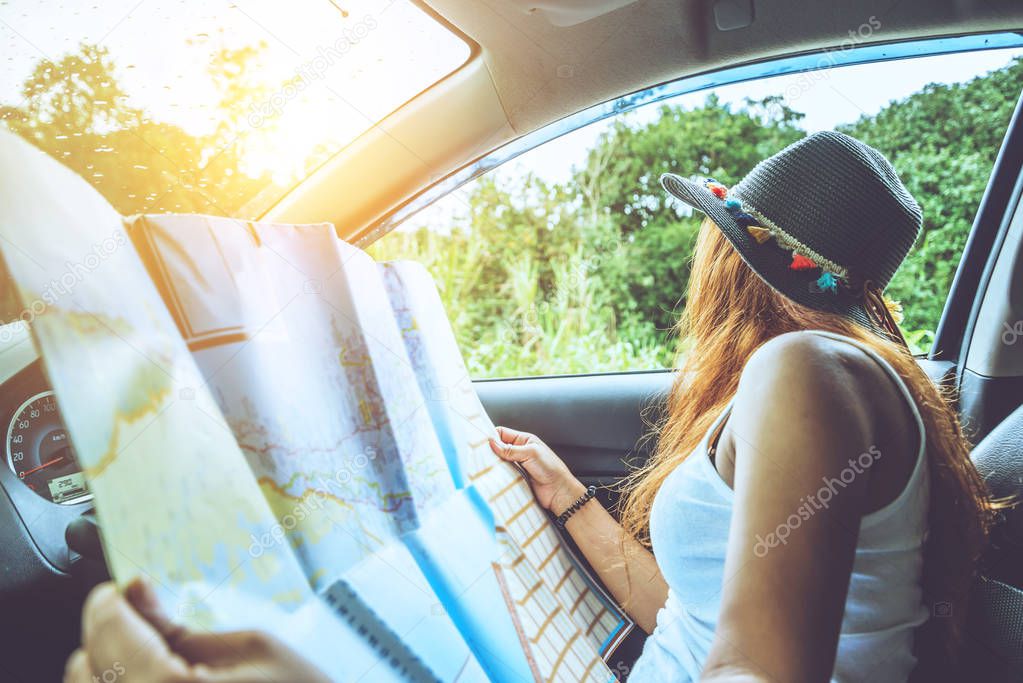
[{"x": 993, "y": 637}]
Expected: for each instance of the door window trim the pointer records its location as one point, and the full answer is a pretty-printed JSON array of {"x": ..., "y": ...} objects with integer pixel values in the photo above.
[
  {"x": 987, "y": 235},
  {"x": 801, "y": 63}
]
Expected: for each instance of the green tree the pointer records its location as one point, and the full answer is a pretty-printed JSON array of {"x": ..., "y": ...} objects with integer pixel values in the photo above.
[
  {"x": 943, "y": 141},
  {"x": 75, "y": 110},
  {"x": 587, "y": 276},
  {"x": 646, "y": 274}
]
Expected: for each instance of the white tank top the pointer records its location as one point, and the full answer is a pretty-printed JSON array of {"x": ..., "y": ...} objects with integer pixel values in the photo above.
[{"x": 689, "y": 524}]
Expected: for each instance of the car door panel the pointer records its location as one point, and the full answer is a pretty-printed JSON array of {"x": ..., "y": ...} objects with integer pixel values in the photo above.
[
  {"x": 599, "y": 424},
  {"x": 594, "y": 422}
]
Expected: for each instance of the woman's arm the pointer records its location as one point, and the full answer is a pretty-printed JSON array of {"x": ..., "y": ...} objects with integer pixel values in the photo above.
[
  {"x": 801, "y": 418},
  {"x": 627, "y": 568}
]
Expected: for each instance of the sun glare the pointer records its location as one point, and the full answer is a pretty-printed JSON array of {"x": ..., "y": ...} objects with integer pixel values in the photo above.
[{"x": 218, "y": 105}]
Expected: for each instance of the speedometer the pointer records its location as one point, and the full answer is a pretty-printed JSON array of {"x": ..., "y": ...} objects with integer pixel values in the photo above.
[{"x": 40, "y": 453}]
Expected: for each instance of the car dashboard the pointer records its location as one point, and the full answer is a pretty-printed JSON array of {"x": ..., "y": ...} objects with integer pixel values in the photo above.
[
  {"x": 42, "y": 480},
  {"x": 42, "y": 580}
]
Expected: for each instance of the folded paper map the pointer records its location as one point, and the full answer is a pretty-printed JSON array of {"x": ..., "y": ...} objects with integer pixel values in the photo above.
[{"x": 280, "y": 433}]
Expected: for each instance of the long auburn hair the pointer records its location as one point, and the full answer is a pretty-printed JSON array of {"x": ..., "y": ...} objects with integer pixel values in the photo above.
[{"x": 729, "y": 313}]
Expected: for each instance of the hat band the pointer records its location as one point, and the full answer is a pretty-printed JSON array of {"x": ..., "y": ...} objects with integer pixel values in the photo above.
[
  {"x": 883, "y": 312},
  {"x": 789, "y": 242}
]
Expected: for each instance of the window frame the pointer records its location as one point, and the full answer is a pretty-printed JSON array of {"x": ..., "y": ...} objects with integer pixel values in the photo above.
[
  {"x": 987, "y": 235},
  {"x": 952, "y": 323}
]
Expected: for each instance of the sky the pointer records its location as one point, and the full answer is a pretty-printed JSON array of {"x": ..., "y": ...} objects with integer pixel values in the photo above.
[{"x": 827, "y": 98}]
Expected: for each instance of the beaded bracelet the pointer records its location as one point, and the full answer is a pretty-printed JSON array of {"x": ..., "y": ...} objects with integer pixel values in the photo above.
[{"x": 574, "y": 507}]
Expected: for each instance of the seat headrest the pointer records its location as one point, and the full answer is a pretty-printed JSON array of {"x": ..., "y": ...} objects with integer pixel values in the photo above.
[{"x": 999, "y": 459}]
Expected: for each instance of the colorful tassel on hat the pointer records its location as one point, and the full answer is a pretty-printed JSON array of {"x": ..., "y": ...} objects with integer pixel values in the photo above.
[
  {"x": 720, "y": 191},
  {"x": 827, "y": 282},
  {"x": 800, "y": 262},
  {"x": 733, "y": 204},
  {"x": 760, "y": 234}
]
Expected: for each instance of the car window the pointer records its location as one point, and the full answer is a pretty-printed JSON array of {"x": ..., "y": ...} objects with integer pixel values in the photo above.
[
  {"x": 570, "y": 260},
  {"x": 209, "y": 106}
]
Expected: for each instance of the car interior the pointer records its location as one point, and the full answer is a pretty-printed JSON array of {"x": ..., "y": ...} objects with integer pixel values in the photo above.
[{"x": 534, "y": 72}]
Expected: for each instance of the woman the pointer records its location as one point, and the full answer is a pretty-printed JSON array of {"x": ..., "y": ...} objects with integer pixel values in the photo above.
[{"x": 811, "y": 501}]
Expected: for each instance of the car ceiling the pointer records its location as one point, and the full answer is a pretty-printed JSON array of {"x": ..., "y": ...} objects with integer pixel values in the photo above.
[
  {"x": 537, "y": 62},
  {"x": 543, "y": 71}
]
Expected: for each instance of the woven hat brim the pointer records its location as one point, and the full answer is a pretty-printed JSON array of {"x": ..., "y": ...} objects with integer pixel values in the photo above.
[{"x": 768, "y": 260}]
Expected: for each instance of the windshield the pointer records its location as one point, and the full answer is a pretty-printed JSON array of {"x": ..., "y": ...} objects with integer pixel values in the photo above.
[{"x": 210, "y": 107}]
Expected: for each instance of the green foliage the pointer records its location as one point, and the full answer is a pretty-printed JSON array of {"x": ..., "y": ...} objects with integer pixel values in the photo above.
[
  {"x": 619, "y": 184},
  {"x": 943, "y": 141},
  {"x": 75, "y": 111},
  {"x": 587, "y": 277}
]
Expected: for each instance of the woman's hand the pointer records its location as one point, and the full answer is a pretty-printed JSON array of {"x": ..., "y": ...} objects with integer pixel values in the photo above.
[
  {"x": 129, "y": 638},
  {"x": 627, "y": 568},
  {"x": 553, "y": 484}
]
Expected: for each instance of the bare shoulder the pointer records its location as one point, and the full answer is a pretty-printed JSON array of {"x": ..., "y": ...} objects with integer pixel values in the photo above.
[
  {"x": 802, "y": 374},
  {"x": 806, "y": 359}
]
